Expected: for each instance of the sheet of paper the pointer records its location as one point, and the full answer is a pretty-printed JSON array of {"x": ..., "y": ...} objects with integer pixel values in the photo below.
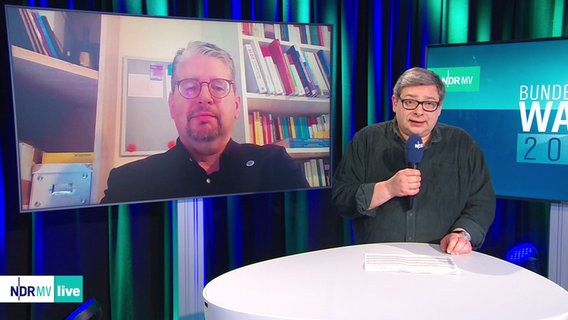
[
  {"x": 411, "y": 263},
  {"x": 143, "y": 86}
]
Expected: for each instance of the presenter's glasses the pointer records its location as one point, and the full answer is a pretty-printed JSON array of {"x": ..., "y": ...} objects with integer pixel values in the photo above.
[
  {"x": 411, "y": 104},
  {"x": 191, "y": 88}
]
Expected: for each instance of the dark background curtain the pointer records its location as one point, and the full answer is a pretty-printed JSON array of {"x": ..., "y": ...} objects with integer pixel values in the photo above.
[{"x": 125, "y": 252}]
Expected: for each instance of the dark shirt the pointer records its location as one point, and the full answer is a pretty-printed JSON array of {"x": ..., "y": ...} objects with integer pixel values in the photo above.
[
  {"x": 244, "y": 168},
  {"x": 455, "y": 190}
]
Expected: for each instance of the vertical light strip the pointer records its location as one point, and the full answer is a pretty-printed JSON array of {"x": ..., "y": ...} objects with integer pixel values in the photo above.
[
  {"x": 236, "y": 9},
  {"x": 374, "y": 53},
  {"x": 484, "y": 21},
  {"x": 302, "y": 11},
  {"x": 157, "y": 7},
  {"x": 134, "y": 6},
  {"x": 169, "y": 267},
  {"x": 390, "y": 53},
  {"x": 296, "y": 222},
  {"x": 176, "y": 260},
  {"x": 269, "y": 10},
  {"x": 286, "y": 11},
  {"x": 558, "y": 18},
  {"x": 120, "y": 260},
  {"x": 346, "y": 81},
  {"x": 235, "y": 231},
  {"x": 541, "y": 17},
  {"x": 295, "y": 208},
  {"x": 458, "y": 11}
]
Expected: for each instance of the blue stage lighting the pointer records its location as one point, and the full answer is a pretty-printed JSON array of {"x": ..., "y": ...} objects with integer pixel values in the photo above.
[{"x": 521, "y": 253}]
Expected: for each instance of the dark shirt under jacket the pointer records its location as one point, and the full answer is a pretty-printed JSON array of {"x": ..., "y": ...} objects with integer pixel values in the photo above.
[
  {"x": 244, "y": 168},
  {"x": 455, "y": 191}
]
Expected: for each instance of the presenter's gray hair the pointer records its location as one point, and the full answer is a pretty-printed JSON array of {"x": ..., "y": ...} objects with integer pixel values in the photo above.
[
  {"x": 204, "y": 49},
  {"x": 419, "y": 77}
]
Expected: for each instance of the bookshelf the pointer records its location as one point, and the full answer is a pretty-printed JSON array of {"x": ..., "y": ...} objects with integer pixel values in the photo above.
[
  {"x": 286, "y": 88},
  {"x": 54, "y": 89},
  {"x": 285, "y": 104},
  {"x": 75, "y": 106},
  {"x": 56, "y": 99}
]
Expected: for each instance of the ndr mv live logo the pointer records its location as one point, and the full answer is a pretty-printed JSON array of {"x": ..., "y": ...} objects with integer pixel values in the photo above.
[{"x": 30, "y": 289}]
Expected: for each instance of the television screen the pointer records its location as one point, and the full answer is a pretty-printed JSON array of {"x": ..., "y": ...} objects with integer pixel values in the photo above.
[
  {"x": 104, "y": 116},
  {"x": 512, "y": 97}
]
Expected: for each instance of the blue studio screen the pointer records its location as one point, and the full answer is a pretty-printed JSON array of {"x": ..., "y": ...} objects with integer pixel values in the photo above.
[{"x": 512, "y": 97}]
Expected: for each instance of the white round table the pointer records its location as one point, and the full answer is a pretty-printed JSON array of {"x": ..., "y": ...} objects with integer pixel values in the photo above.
[{"x": 333, "y": 284}]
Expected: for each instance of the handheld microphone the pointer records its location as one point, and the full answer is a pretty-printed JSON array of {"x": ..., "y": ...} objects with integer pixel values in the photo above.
[{"x": 414, "y": 152}]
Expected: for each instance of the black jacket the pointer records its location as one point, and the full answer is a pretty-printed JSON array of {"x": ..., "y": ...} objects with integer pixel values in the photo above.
[{"x": 244, "y": 168}]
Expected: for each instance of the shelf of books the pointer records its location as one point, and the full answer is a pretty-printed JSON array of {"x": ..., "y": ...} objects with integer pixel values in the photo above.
[
  {"x": 55, "y": 66},
  {"x": 287, "y": 91}
]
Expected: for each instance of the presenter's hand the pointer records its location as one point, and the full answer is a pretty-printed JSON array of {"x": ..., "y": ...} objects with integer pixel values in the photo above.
[
  {"x": 405, "y": 182},
  {"x": 455, "y": 243}
]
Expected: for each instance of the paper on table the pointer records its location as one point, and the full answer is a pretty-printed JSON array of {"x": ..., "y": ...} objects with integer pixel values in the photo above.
[{"x": 411, "y": 263}]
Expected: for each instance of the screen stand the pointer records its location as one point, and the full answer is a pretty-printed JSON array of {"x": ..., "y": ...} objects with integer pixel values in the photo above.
[
  {"x": 190, "y": 259},
  {"x": 558, "y": 244}
]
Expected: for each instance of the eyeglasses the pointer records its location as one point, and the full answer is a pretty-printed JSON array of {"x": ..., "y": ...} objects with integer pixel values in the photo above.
[
  {"x": 191, "y": 88},
  {"x": 411, "y": 104}
]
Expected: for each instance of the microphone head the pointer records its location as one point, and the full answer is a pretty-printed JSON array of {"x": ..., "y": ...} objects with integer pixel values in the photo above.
[{"x": 414, "y": 149}]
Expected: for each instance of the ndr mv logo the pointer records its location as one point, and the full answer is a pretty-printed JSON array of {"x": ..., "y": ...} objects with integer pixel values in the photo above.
[
  {"x": 459, "y": 79},
  {"x": 29, "y": 289}
]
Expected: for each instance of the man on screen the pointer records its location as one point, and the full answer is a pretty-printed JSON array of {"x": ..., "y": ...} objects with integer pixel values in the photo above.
[
  {"x": 205, "y": 160},
  {"x": 443, "y": 196}
]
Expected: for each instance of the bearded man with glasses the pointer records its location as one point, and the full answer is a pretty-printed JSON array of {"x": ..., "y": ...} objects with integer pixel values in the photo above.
[
  {"x": 204, "y": 106},
  {"x": 450, "y": 190}
]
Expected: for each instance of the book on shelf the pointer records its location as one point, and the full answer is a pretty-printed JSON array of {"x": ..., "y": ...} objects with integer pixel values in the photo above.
[
  {"x": 67, "y": 157},
  {"x": 246, "y": 28},
  {"x": 302, "y": 33},
  {"x": 258, "y": 131},
  {"x": 269, "y": 31},
  {"x": 284, "y": 33},
  {"x": 324, "y": 60},
  {"x": 39, "y": 33},
  {"x": 302, "y": 128},
  {"x": 326, "y": 35},
  {"x": 272, "y": 70},
  {"x": 321, "y": 70},
  {"x": 303, "y": 143},
  {"x": 299, "y": 89},
  {"x": 46, "y": 39},
  {"x": 279, "y": 129},
  {"x": 57, "y": 46},
  {"x": 311, "y": 72},
  {"x": 266, "y": 134},
  {"x": 317, "y": 172},
  {"x": 251, "y": 136},
  {"x": 322, "y": 173},
  {"x": 300, "y": 65},
  {"x": 315, "y": 35},
  {"x": 308, "y": 173},
  {"x": 36, "y": 34},
  {"x": 266, "y": 74},
  {"x": 254, "y": 80},
  {"x": 285, "y": 127},
  {"x": 292, "y": 127},
  {"x": 277, "y": 54},
  {"x": 45, "y": 43},
  {"x": 316, "y": 176},
  {"x": 257, "y": 30},
  {"x": 319, "y": 77}
]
